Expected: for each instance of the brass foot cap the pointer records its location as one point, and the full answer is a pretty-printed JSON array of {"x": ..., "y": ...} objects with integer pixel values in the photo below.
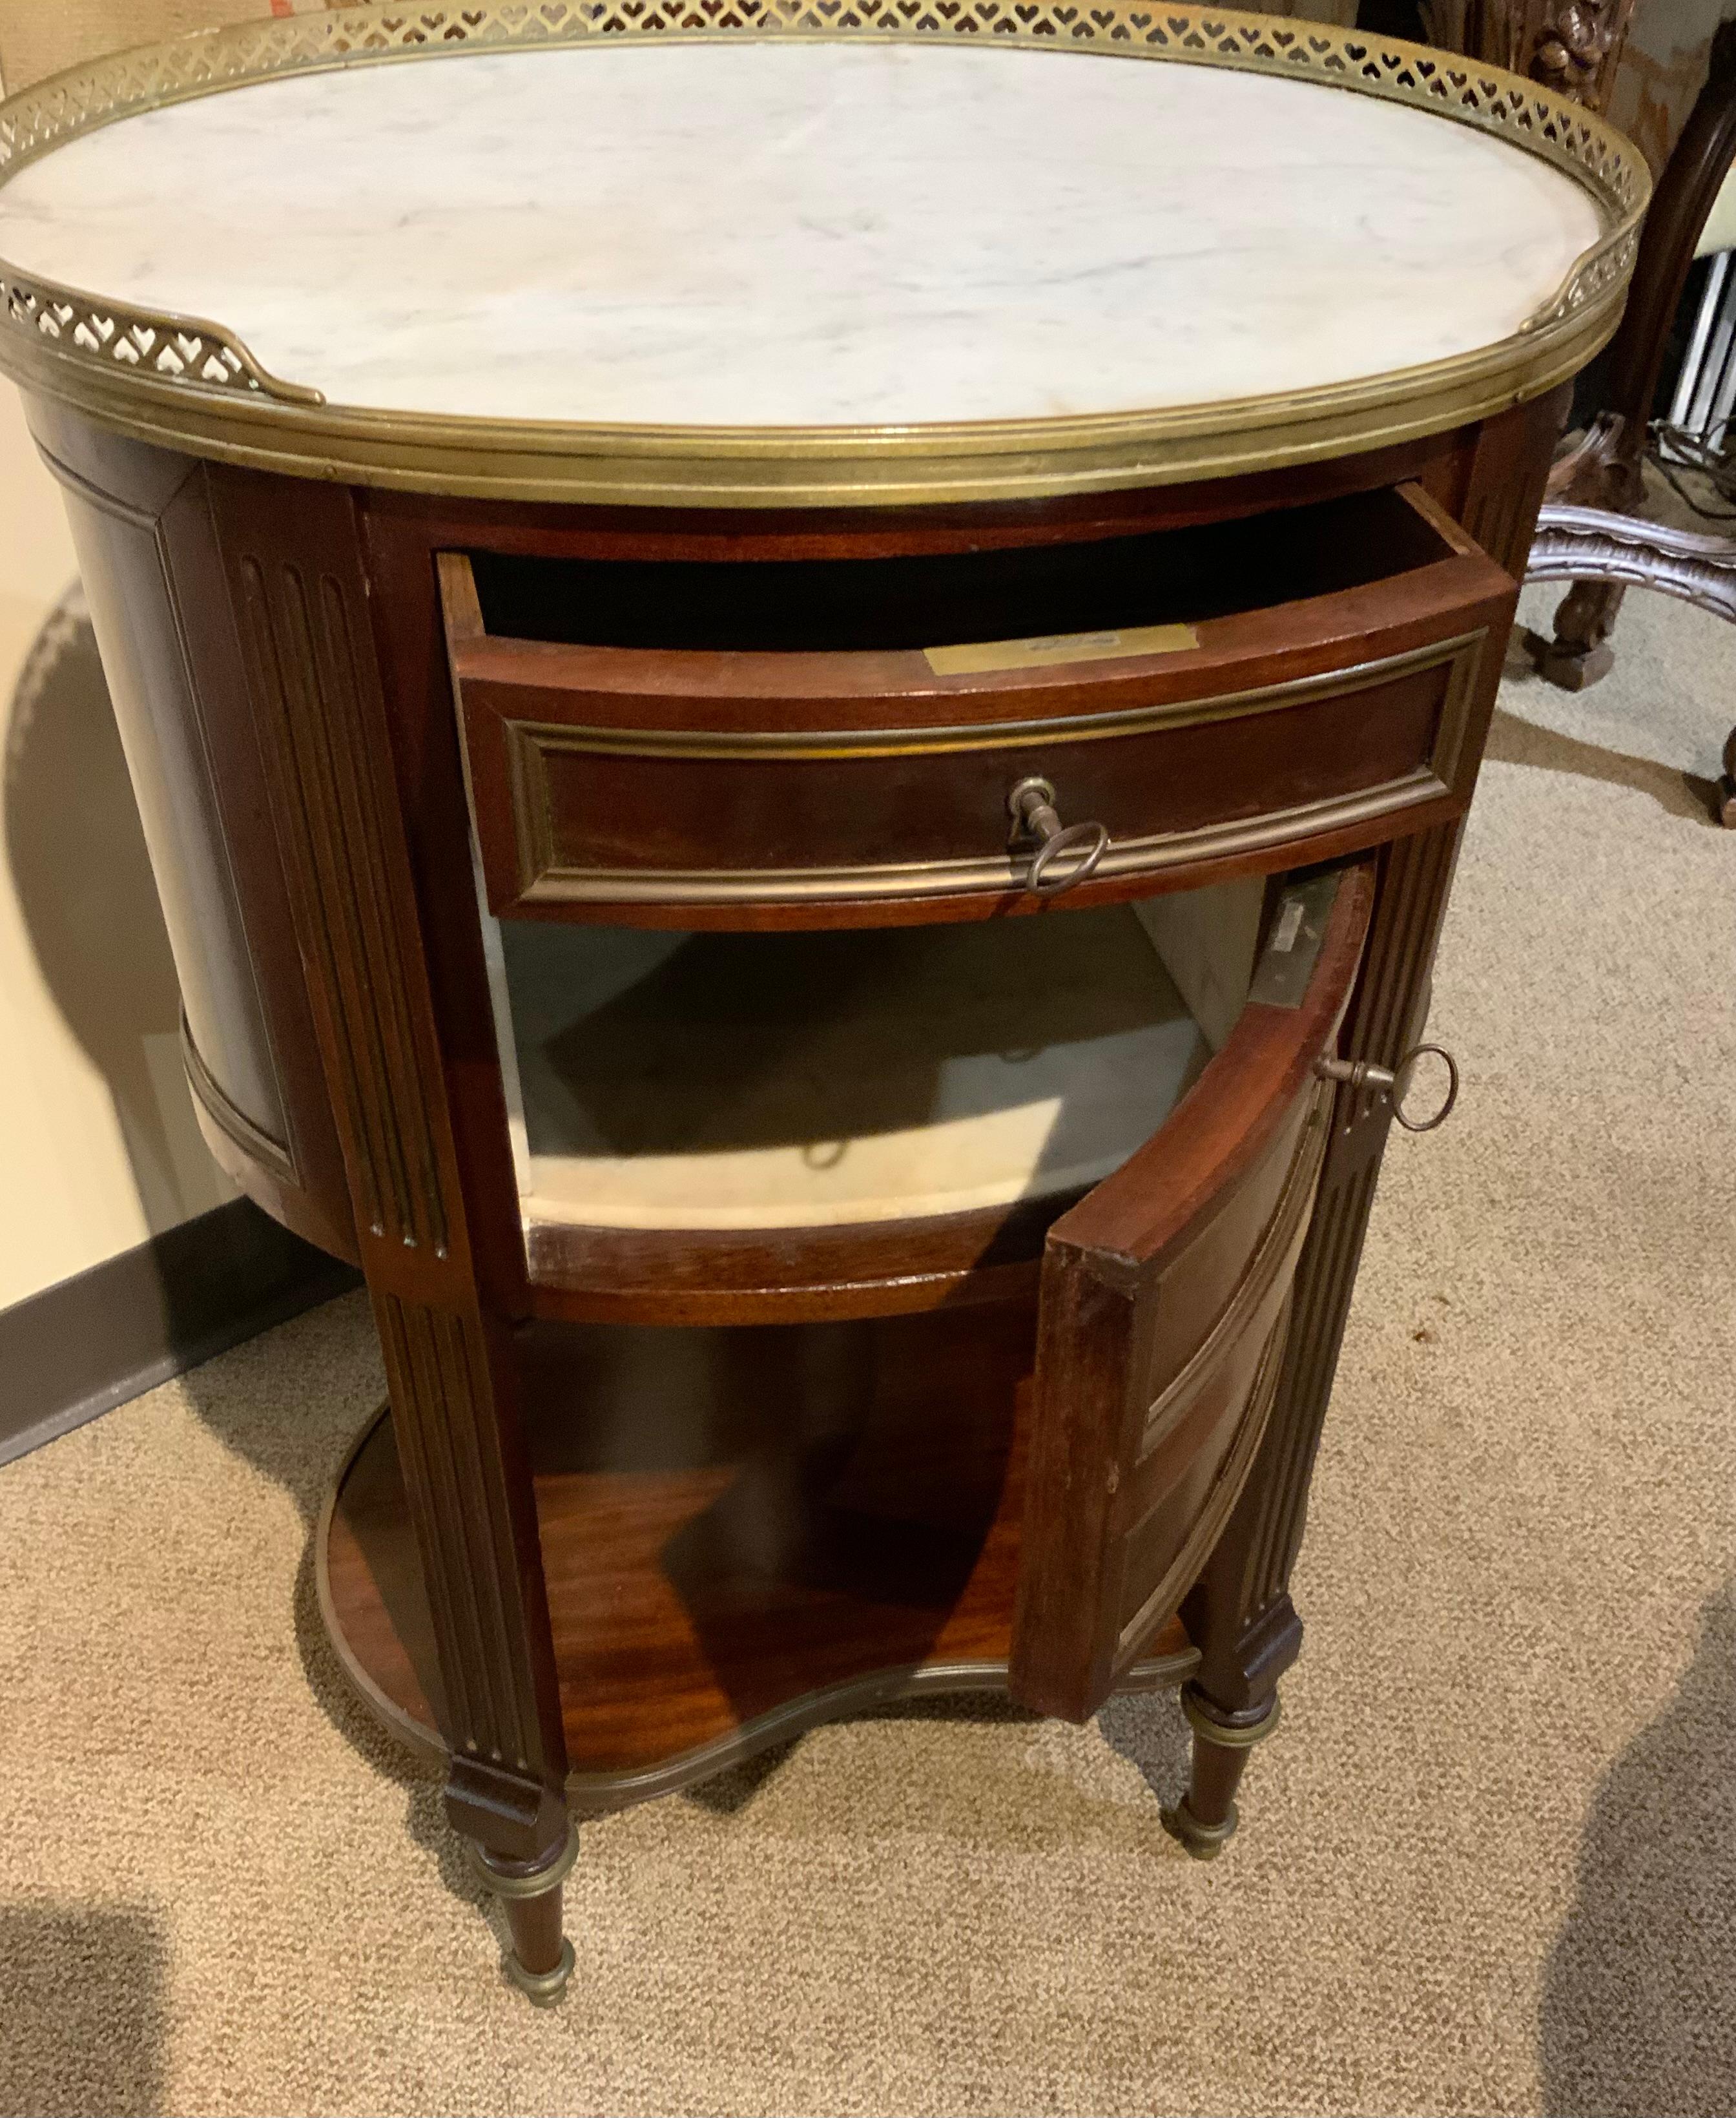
[
  {"x": 513, "y": 1881},
  {"x": 1204, "y": 1842},
  {"x": 542, "y": 1988}
]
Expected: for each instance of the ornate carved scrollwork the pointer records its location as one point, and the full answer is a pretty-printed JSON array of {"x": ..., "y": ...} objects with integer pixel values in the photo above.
[
  {"x": 1590, "y": 543},
  {"x": 1573, "y": 46},
  {"x": 1592, "y": 547}
]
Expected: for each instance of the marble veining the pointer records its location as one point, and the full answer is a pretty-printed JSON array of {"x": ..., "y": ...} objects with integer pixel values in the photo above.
[{"x": 806, "y": 234}]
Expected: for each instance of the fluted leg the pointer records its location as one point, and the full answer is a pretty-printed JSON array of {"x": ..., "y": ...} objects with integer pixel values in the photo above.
[
  {"x": 1239, "y": 1614},
  {"x": 416, "y": 1100}
]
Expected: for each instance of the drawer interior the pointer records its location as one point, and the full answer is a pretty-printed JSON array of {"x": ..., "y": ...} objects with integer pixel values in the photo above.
[
  {"x": 751, "y": 1081},
  {"x": 1170, "y": 577}
]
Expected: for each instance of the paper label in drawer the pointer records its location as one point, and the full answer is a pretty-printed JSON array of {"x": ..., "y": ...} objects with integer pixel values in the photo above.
[{"x": 976, "y": 657}]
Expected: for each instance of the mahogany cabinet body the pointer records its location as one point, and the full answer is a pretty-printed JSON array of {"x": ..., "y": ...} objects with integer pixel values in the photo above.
[{"x": 648, "y": 1500}]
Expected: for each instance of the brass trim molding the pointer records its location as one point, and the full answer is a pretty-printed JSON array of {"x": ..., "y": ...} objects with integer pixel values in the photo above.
[
  {"x": 190, "y": 383},
  {"x": 812, "y": 745},
  {"x": 543, "y": 880},
  {"x": 1156, "y": 855},
  {"x": 519, "y": 1883},
  {"x": 1227, "y": 1735},
  {"x": 228, "y": 1118}
]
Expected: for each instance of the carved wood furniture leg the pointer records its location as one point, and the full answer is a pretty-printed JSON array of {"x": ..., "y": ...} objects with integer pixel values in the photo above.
[
  {"x": 442, "y": 1298},
  {"x": 1605, "y": 471},
  {"x": 1580, "y": 653},
  {"x": 1206, "y": 1816},
  {"x": 1241, "y": 1615},
  {"x": 1604, "y": 551},
  {"x": 1571, "y": 45},
  {"x": 542, "y": 1958}
]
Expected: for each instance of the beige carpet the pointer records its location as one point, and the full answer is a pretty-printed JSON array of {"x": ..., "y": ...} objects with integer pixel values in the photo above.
[{"x": 1490, "y": 1866}]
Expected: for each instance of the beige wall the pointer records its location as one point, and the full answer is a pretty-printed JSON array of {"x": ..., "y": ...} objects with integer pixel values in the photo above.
[
  {"x": 1662, "y": 68},
  {"x": 40, "y": 37},
  {"x": 98, "y": 1144},
  {"x": 99, "y": 1148}
]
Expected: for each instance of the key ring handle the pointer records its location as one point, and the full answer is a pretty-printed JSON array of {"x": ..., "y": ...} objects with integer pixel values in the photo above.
[{"x": 1404, "y": 1073}]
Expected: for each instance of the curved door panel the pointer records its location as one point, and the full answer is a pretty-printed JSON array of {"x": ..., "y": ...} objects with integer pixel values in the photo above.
[
  {"x": 1165, "y": 1298},
  {"x": 147, "y": 552}
]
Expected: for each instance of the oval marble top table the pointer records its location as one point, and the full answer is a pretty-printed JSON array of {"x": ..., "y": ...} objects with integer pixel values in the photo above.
[
  {"x": 582, "y": 251},
  {"x": 806, "y": 234}
]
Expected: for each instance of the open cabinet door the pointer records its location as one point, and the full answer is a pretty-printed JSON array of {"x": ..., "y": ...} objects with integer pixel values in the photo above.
[{"x": 1165, "y": 1303}]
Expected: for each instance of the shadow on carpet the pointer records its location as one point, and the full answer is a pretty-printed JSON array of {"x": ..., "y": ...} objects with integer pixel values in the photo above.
[
  {"x": 1515, "y": 741},
  {"x": 81, "y": 2020},
  {"x": 1639, "y": 2008}
]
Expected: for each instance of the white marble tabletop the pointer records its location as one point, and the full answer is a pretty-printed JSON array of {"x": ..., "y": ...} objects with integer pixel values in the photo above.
[{"x": 764, "y": 232}]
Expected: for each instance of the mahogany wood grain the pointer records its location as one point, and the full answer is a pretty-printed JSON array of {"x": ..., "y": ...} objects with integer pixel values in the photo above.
[
  {"x": 585, "y": 1275},
  {"x": 638, "y": 1551},
  {"x": 1160, "y": 1324},
  {"x": 299, "y": 589},
  {"x": 711, "y": 786},
  {"x": 818, "y": 1518},
  {"x": 434, "y": 522}
]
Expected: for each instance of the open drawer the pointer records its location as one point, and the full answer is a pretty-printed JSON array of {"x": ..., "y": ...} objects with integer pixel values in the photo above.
[{"x": 807, "y": 742}]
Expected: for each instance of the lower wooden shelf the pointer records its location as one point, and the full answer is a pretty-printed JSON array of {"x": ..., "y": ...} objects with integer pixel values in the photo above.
[{"x": 745, "y": 1532}]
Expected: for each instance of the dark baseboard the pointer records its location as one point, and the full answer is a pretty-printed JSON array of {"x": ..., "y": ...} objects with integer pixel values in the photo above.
[{"x": 93, "y": 1341}]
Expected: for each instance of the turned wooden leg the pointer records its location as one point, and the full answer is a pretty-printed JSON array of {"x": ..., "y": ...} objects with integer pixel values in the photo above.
[
  {"x": 541, "y": 1961},
  {"x": 422, "y": 1124},
  {"x": 1239, "y": 1613},
  {"x": 1205, "y": 1818},
  {"x": 1580, "y": 653}
]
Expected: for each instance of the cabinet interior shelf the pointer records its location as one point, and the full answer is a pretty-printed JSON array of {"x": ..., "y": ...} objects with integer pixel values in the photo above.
[
  {"x": 755, "y": 1082},
  {"x": 818, "y": 1519}
]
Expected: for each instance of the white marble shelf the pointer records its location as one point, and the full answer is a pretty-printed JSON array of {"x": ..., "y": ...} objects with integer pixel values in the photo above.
[
  {"x": 750, "y": 1082},
  {"x": 760, "y": 233}
]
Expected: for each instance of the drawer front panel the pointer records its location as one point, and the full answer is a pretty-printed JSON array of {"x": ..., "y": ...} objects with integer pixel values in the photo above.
[{"x": 587, "y": 817}]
